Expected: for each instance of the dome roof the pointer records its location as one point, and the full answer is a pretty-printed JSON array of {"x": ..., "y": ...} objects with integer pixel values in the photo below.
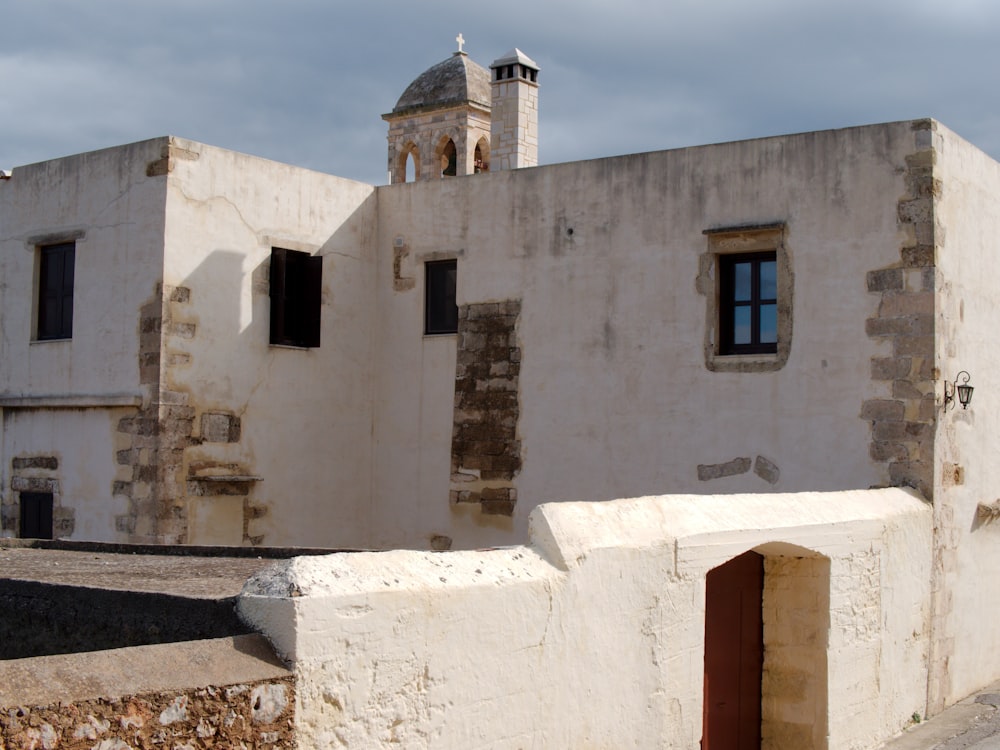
[{"x": 457, "y": 80}]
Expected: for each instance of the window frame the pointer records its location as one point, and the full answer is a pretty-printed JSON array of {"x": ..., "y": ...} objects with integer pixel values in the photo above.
[
  {"x": 724, "y": 242},
  {"x": 728, "y": 303},
  {"x": 54, "y": 318},
  {"x": 296, "y": 295},
  {"x": 440, "y": 305}
]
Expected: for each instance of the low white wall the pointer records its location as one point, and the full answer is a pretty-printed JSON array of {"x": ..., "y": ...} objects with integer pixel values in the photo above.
[{"x": 593, "y": 634}]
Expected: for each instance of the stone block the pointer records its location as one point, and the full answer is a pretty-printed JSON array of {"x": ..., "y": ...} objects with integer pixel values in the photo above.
[
  {"x": 496, "y": 501},
  {"x": 919, "y": 209},
  {"x": 180, "y": 294},
  {"x": 440, "y": 542},
  {"x": 904, "y": 389},
  {"x": 484, "y": 310},
  {"x": 766, "y": 470},
  {"x": 219, "y": 427},
  {"x": 906, "y": 303},
  {"x": 882, "y": 410},
  {"x": 727, "y": 469},
  {"x": 890, "y": 368},
  {"x": 913, "y": 345},
  {"x": 927, "y": 278},
  {"x": 36, "y": 462},
  {"x": 34, "y": 484},
  {"x": 882, "y": 450},
  {"x": 885, "y": 279},
  {"x": 918, "y": 256},
  {"x": 898, "y": 326}
]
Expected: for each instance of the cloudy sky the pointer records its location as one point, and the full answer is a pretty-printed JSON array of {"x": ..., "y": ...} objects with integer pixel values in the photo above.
[{"x": 305, "y": 81}]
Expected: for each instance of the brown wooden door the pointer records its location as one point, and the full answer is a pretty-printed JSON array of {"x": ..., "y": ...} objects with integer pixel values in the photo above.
[{"x": 734, "y": 654}]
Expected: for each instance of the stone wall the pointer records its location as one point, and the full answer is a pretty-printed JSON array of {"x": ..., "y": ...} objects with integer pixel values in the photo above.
[
  {"x": 222, "y": 693},
  {"x": 155, "y": 438},
  {"x": 485, "y": 451},
  {"x": 903, "y": 423},
  {"x": 796, "y": 613},
  {"x": 37, "y": 474}
]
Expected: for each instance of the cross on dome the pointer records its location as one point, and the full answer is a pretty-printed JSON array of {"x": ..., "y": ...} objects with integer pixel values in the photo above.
[{"x": 461, "y": 40}]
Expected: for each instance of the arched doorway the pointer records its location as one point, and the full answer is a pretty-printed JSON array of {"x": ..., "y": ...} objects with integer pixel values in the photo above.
[
  {"x": 734, "y": 654},
  {"x": 767, "y": 627}
]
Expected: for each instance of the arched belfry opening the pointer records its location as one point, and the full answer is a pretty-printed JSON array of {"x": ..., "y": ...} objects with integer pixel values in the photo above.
[
  {"x": 481, "y": 156},
  {"x": 408, "y": 166},
  {"x": 767, "y": 625},
  {"x": 447, "y": 156},
  {"x": 457, "y": 97}
]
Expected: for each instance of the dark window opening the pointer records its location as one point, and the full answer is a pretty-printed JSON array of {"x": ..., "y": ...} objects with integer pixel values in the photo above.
[
  {"x": 296, "y": 295},
  {"x": 449, "y": 159},
  {"x": 481, "y": 157},
  {"x": 55, "y": 291},
  {"x": 36, "y": 515},
  {"x": 440, "y": 310},
  {"x": 748, "y": 303}
]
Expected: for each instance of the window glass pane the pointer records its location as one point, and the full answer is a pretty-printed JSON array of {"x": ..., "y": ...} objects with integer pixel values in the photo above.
[
  {"x": 741, "y": 325},
  {"x": 768, "y": 280},
  {"x": 741, "y": 281},
  {"x": 768, "y": 324}
]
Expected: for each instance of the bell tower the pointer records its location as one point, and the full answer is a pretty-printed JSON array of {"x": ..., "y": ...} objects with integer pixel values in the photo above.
[
  {"x": 440, "y": 127},
  {"x": 514, "y": 116}
]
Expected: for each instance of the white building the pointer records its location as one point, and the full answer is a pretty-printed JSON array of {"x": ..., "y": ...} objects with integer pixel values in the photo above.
[{"x": 204, "y": 347}]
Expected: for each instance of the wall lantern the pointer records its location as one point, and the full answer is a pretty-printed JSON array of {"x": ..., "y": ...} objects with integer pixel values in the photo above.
[{"x": 963, "y": 390}]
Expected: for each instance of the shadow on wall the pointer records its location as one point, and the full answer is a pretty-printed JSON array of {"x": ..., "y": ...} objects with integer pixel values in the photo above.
[{"x": 267, "y": 440}]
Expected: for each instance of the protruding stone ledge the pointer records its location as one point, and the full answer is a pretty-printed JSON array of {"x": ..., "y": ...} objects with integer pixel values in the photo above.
[{"x": 82, "y": 401}]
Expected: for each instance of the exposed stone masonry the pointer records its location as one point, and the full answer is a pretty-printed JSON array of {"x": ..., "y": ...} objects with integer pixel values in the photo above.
[
  {"x": 37, "y": 474},
  {"x": 245, "y": 715},
  {"x": 160, "y": 430},
  {"x": 762, "y": 467},
  {"x": 485, "y": 451},
  {"x": 903, "y": 423}
]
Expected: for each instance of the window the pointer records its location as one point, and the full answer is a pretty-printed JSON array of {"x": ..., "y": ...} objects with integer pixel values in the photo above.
[
  {"x": 746, "y": 277},
  {"x": 55, "y": 291},
  {"x": 440, "y": 310},
  {"x": 36, "y": 515},
  {"x": 748, "y": 304},
  {"x": 296, "y": 294}
]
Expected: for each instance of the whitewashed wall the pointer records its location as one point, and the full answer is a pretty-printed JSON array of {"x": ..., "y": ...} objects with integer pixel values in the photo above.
[
  {"x": 615, "y": 396},
  {"x": 967, "y": 216},
  {"x": 63, "y": 398},
  {"x": 305, "y": 413},
  {"x": 592, "y": 635}
]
